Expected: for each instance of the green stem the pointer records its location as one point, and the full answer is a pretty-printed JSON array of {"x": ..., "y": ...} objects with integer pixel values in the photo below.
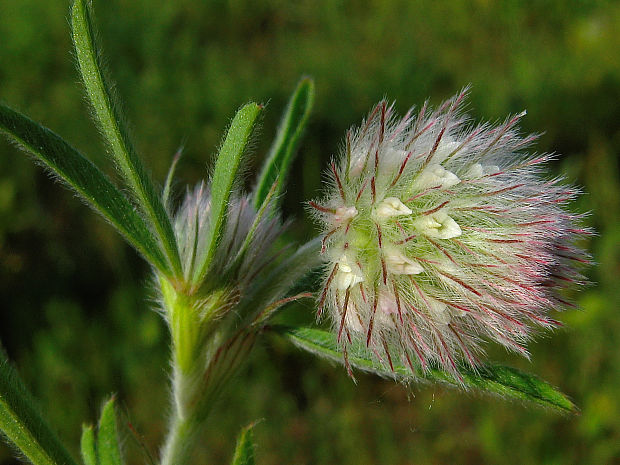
[
  {"x": 203, "y": 361},
  {"x": 179, "y": 443},
  {"x": 194, "y": 393},
  {"x": 186, "y": 421}
]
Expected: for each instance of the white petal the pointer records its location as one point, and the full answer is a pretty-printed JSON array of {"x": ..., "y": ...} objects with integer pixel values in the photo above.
[
  {"x": 391, "y": 206},
  {"x": 353, "y": 320},
  {"x": 439, "y": 312},
  {"x": 347, "y": 275},
  {"x": 345, "y": 213},
  {"x": 444, "y": 150},
  {"x": 438, "y": 225},
  {"x": 436, "y": 175},
  {"x": 358, "y": 160},
  {"x": 391, "y": 160},
  {"x": 397, "y": 263},
  {"x": 477, "y": 170}
]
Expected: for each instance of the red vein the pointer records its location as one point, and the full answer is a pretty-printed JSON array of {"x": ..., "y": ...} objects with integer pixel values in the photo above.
[
  {"x": 402, "y": 168},
  {"x": 436, "y": 209},
  {"x": 397, "y": 297},
  {"x": 344, "y": 312},
  {"x": 325, "y": 289},
  {"x": 372, "y": 317},
  {"x": 340, "y": 189},
  {"x": 373, "y": 190},
  {"x": 321, "y": 208}
]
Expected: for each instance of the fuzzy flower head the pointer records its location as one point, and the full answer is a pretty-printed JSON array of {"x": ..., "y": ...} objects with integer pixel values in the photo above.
[
  {"x": 245, "y": 248},
  {"x": 439, "y": 234}
]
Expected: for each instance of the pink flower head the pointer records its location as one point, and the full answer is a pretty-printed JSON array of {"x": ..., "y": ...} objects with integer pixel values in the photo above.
[{"x": 439, "y": 234}]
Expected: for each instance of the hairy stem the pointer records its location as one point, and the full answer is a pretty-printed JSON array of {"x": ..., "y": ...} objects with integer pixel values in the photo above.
[
  {"x": 176, "y": 449},
  {"x": 204, "y": 359},
  {"x": 184, "y": 427}
]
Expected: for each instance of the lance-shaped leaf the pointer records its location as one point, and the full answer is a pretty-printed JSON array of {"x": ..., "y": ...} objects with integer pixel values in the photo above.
[
  {"x": 102, "y": 447},
  {"x": 87, "y": 446},
  {"x": 224, "y": 176},
  {"x": 244, "y": 451},
  {"x": 165, "y": 196},
  {"x": 260, "y": 215},
  {"x": 108, "y": 115},
  {"x": 494, "y": 379},
  {"x": 282, "y": 152},
  {"x": 108, "y": 449},
  {"x": 85, "y": 179},
  {"x": 22, "y": 424}
]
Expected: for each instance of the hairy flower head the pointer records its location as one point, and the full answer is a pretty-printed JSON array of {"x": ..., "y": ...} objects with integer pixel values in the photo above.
[
  {"x": 240, "y": 270},
  {"x": 439, "y": 234},
  {"x": 246, "y": 245}
]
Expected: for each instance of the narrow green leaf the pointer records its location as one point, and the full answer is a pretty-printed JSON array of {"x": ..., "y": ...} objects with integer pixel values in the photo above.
[
  {"x": 495, "y": 379},
  {"x": 165, "y": 197},
  {"x": 108, "y": 449},
  {"x": 282, "y": 152},
  {"x": 86, "y": 179},
  {"x": 108, "y": 114},
  {"x": 262, "y": 211},
  {"x": 22, "y": 424},
  {"x": 244, "y": 451},
  {"x": 224, "y": 175},
  {"x": 87, "y": 446}
]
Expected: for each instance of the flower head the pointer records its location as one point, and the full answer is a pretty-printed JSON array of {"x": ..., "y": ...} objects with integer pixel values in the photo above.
[
  {"x": 439, "y": 234},
  {"x": 246, "y": 246}
]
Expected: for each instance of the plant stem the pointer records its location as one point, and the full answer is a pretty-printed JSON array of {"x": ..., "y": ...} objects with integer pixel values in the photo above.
[
  {"x": 186, "y": 420},
  {"x": 178, "y": 447},
  {"x": 194, "y": 393},
  {"x": 203, "y": 361}
]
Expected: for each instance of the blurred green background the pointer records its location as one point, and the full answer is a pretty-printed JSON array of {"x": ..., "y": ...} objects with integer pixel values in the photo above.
[{"x": 74, "y": 317}]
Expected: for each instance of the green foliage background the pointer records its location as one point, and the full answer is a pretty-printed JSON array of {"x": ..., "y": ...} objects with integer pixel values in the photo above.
[{"x": 73, "y": 314}]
